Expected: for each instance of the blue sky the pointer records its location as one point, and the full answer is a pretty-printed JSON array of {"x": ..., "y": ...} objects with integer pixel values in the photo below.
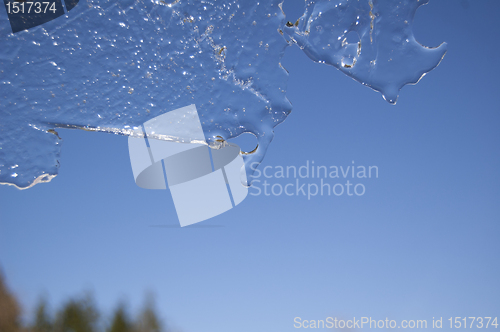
[{"x": 422, "y": 241}]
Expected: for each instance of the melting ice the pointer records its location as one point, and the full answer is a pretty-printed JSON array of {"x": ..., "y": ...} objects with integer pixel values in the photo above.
[{"x": 112, "y": 65}]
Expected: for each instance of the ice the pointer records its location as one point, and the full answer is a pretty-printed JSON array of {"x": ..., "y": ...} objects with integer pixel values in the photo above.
[
  {"x": 385, "y": 55},
  {"x": 113, "y": 65}
]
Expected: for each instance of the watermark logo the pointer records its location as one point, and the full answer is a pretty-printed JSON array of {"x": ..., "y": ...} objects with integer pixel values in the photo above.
[
  {"x": 310, "y": 180},
  {"x": 25, "y": 14},
  {"x": 173, "y": 153}
]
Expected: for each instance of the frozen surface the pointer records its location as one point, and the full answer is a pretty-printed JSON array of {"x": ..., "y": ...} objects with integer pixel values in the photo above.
[
  {"x": 113, "y": 65},
  {"x": 372, "y": 41}
]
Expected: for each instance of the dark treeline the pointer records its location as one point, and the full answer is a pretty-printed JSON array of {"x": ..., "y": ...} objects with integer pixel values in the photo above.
[{"x": 75, "y": 315}]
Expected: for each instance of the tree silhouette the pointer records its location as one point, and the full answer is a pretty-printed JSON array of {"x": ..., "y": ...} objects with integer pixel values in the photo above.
[
  {"x": 121, "y": 321},
  {"x": 77, "y": 316},
  {"x": 148, "y": 320},
  {"x": 43, "y": 322},
  {"x": 9, "y": 310}
]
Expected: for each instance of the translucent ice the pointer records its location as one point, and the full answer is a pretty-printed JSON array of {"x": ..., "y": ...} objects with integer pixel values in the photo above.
[
  {"x": 112, "y": 65},
  {"x": 384, "y": 54}
]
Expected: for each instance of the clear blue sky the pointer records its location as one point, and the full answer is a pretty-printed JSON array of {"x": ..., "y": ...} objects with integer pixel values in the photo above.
[{"x": 422, "y": 242}]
